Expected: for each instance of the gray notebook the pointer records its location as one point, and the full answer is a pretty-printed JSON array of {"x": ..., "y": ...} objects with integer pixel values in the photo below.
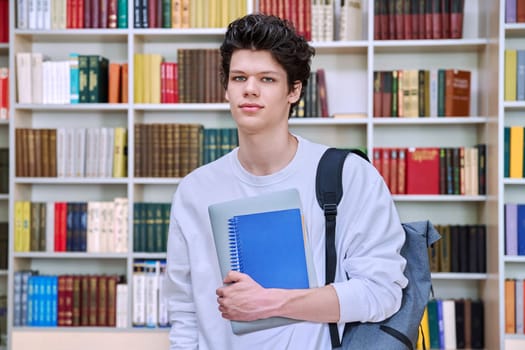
[{"x": 221, "y": 213}]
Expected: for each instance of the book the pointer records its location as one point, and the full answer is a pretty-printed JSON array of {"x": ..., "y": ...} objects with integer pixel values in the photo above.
[
  {"x": 263, "y": 205},
  {"x": 422, "y": 170},
  {"x": 457, "y": 93}
]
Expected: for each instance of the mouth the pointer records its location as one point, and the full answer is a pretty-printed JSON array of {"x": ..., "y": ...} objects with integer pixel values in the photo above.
[{"x": 250, "y": 107}]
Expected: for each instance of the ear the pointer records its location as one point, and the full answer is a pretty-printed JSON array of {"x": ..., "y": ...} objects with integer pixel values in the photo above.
[
  {"x": 226, "y": 96},
  {"x": 295, "y": 94}
]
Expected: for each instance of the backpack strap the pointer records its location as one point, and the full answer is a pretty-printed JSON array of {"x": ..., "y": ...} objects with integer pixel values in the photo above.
[{"x": 329, "y": 191}]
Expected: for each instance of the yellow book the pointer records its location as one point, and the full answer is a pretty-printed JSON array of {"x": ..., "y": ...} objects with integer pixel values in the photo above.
[
  {"x": 213, "y": 17},
  {"x": 19, "y": 222},
  {"x": 185, "y": 14},
  {"x": 511, "y": 63},
  {"x": 120, "y": 161},
  {"x": 155, "y": 62},
  {"x": 147, "y": 78},
  {"x": 516, "y": 152},
  {"x": 138, "y": 78},
  {"x": 26, "y": 227},
  {"x": 176, "y": 14},
  {"x": 423, "y": 336},
  {"x": 225, "y": 14},
  {"x": 195, "y": 15}
]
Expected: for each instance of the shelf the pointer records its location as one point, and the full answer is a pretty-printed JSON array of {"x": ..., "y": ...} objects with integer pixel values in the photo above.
[
  {"x": 79, "y": 35},
  {"x": 514, "y": 105},
  {"x": 69, "y": 255},
  {"x": 4, "y": 49},
  {"x": 4, "y": 197},
  {"x": 4, "y": 272},
  {"x": 331, "y": 47},
  {"x": 142, "y": 255},
  {"x": 509, "y": 181},
  {"x": 182, "y": 107},
  {"x": 430, "y": 46},
  {"x": 71, "y": 181},
  {"x": 327, "y": 121},
  {"x": 458, "y": 276},
  {"x": 156, "y": 181},
  {"x": 514, "y": 259},
  {"x": 4, "y": 122},
  {"x": 73, "y": 107},
  {"x": 438, "y": 198},
  {"x": 430, "y": 121}
]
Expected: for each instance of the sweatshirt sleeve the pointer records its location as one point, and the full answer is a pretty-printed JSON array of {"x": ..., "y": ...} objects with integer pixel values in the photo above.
[
  {"x": 370, "y": 282},
  {"x": 178, "y": 291}
]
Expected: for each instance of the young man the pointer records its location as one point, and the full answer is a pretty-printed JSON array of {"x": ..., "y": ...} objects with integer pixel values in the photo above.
[{"x": 265, "y": 67}]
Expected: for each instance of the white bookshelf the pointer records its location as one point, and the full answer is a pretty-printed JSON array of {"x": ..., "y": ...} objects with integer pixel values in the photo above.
[
  {"x": 349, "y": 70},
  {"x": 511, "y": 36}
]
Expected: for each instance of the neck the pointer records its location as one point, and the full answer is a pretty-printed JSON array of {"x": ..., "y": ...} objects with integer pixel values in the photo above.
[{"x": 264, "y": 155}]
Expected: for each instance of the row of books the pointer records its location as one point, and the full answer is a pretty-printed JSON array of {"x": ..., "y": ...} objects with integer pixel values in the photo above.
[
  {"x": 411, "y": 20},
  {"x": 433, "y": 170},
  {"x": 514, "y": 305},
  {"x": 513, "y": 152},
  {"x": 4, "y": 93},
  {"x": 149, "y": 304},
  {"x": 93, "y": 227},
  {"x": 71, "y": 152},
  {"x": 514, "y": 229},
  {"x": 4, "y": 246},
  {"x": 150, "y": 227},
  {"x": 4, "y": 170},
  {"x": 79, "y": 79},
  {"x": 62, "y": 14},
  {"x": 194, "y": 78},
  {"x": 422, "y": 93},
  {"x": 187, "y": 13},
  {"x": 69, "y": 300},
  {"x": 514, "y": 67},
  {"x": 514, "y": 11},
  {"x": 173, "y": 150},
  {"x": 461, "y": 249},
  {"x": 314, "y": 102},
  {"x": 453, "y": 324}
]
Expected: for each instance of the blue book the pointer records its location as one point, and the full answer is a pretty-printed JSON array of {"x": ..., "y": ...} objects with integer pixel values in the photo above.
[
  {"x": 521, "y": 229},
  {"x": 269, "y": 247},
  {"x": 74, "y": 78},
  {"x": 247, "y": 214}
]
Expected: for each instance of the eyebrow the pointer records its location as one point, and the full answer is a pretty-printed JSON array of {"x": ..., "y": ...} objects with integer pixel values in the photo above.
[{"x": 237, "y": 71}]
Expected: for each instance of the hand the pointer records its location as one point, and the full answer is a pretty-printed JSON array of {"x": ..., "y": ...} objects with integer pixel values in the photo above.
[{"x": 243, "y": 299}]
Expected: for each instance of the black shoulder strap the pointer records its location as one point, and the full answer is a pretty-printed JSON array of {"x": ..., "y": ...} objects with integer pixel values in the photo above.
[{"x": 329, "y": 190}]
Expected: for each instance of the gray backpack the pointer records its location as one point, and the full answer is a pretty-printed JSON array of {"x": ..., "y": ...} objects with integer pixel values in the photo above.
[{"x": 399, "y": 331}]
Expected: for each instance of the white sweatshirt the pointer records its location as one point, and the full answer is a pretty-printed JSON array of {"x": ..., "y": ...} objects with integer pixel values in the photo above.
[{"x": 369, "y": 237}]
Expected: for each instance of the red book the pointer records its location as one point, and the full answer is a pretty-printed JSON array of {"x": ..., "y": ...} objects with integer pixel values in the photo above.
[
  {"x": 421, "y": 19},
  {"x": 88, "y": 21},
  {"x": 414, "y": 15},
  {"x": 393, "y": 170},
  {"x": 60, "y": 226},
  {"x": 456, "y": 19},
  {"x": 80, "y": 13},
  {"x": 152, "y": 13},
  {"x": 445, "y": 19},
  {"x": 385, "y": 165},
  {"x": 103, "y": 13},
  {"x": 175, "y": 82},
  {"x": 437, "y": 31},
  {"x": 520, "y": 11},
  {"x": 4, "y": 21},
  {"x": 164, "y": 82},
  {"x": 457, "y": 93},
  {"x": 388, "y": 27},
  {"x": 4, "y": 93},
  {"x": 308, "y": 19},
  {"x": 399, "y": 19},
  {"x": 422, "y": 170},
  {"x": 112, "y": 13},
  {"x": 401, "y": 171},
  {"x": 377, "y": 20},
  {"x": 428, "y": 19},
  {"x": 407, "y": 20},
  {"x": 124, "y": 84},
  {"x": 376, "y": 160}
]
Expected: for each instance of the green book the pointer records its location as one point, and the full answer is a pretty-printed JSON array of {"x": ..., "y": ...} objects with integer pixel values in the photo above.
[
  {"x": 122, "y": 14},
  {"x": 97, "y": 79},
  {"x": 83, "y": 78}
]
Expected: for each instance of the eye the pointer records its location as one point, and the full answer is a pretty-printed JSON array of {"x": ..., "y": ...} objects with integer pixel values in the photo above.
[
  {"x": 268, "y": 79},
  {"x": 238, "y": 78}
]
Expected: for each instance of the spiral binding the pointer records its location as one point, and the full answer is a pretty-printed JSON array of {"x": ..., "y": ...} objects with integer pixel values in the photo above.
[{"x": 234, "y": 245}]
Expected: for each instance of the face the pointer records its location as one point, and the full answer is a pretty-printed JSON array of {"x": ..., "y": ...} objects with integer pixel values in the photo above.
[{"x": 258, "y": 91}]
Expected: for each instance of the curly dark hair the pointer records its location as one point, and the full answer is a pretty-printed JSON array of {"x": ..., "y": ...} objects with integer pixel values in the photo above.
[{"x": 278, "y": 36}]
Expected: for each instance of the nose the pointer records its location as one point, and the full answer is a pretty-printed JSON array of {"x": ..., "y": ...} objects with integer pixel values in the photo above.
[{"x": 251, "y": 87}]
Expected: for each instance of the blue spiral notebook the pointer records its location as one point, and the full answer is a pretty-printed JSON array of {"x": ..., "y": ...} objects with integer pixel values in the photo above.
[
  {"x": 264, "y": 236},
  {"x": 269, "y": 246}
]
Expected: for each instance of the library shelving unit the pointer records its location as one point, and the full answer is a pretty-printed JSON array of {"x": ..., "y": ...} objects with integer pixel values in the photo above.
[
  {"x": 511, "y": 113},
  {"x": 349, "y": 68},
  {"x": 4, "y": 197}
]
